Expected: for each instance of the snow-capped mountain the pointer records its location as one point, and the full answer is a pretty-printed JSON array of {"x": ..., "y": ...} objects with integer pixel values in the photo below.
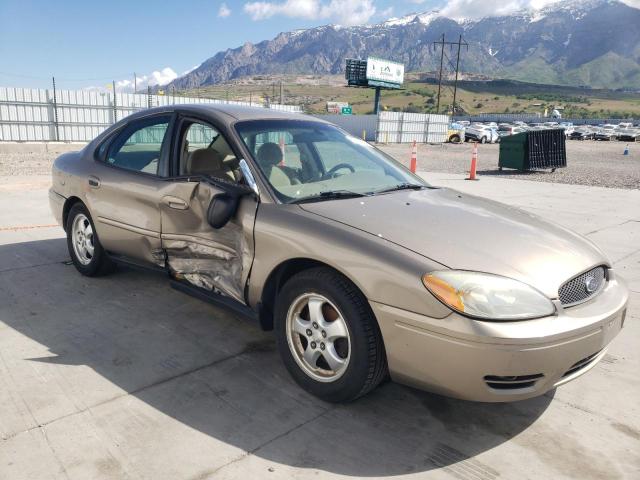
[{"x": 576, "y": 42}]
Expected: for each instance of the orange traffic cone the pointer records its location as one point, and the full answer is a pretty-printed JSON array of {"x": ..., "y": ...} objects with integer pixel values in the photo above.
[
  {"x": 282, "y": 148},
  {"x": 474, "y": 162},
  {"x": 414, "y": 157}
]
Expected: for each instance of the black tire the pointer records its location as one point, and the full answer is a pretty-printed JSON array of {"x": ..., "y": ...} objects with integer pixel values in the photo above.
[
  {"x": 483, "y": 140},
  {"x": 100, "y": 263},
  {"x": 455, "y": 139},
  {"x": 368, "y": 364}
]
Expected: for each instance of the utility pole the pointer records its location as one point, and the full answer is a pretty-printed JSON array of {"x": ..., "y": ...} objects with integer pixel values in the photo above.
[
  {"x": 281, "y": 101},
  {"x": 55, "y": 109},
  {"x": 443, "y": 56},
  {"x": 376, "y": 102},
  {"x": 455, "y": 84},
  {"x": 440, "y": 75},
  {"x": 115, "y": 109}
]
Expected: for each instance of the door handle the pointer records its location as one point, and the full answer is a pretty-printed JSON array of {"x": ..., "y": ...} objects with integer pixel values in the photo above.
[
  {"x": 175, "y": 202},
  {"x": 94, "y": 182}
]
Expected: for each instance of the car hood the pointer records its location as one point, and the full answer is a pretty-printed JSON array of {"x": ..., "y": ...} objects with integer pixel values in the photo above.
[{"x": 470, "y": 233}]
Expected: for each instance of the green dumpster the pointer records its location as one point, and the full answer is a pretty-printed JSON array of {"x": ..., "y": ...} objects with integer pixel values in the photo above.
[
  {"x": 533, "y": 149},
  {"x": 513, "y": 151}
]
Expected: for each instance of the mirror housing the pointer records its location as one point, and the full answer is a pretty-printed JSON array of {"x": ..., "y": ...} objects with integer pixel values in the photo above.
[
  {"x": 222, "y": 207},
  {"x": 248, "y": 176}
]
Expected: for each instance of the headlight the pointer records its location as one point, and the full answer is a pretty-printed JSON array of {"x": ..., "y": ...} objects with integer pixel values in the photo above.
[{"x": 487, "y": 296}]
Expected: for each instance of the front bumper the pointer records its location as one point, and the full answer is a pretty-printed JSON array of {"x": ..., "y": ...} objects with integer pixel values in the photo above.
[{"x": 500, "y": 361}]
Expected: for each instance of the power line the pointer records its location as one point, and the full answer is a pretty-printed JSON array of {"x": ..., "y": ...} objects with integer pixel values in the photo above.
[{"x": 450, "y": 66}]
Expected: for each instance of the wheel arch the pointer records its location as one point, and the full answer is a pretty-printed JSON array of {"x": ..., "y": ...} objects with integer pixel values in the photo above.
[
  {"x": 68, "y": 204},
  {"x": 279, "y": 276}
]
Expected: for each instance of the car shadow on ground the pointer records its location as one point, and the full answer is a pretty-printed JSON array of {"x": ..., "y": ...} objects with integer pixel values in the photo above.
[
  {"x": 511, "y": 173},
  {"x": 222, "y": 376}
]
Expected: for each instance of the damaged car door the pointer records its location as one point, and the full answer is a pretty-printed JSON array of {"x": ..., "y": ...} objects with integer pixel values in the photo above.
[{"x": 207, "y": 213}]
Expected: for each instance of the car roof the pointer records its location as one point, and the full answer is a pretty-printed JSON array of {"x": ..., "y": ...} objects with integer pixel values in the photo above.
[{"x": 227, "y": 112}]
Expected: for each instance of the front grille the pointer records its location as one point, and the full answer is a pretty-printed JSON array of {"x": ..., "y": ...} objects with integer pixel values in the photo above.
[
  {"x": 582, "y": 287},
  {"x": 512, "y": 382},
  {"x": 580, "y": 364}
]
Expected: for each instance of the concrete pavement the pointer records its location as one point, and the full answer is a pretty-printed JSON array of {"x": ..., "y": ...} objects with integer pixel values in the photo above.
[{"x": 123, "y": 377}]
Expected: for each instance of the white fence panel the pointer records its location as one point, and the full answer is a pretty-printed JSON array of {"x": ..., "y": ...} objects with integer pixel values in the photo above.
[
  {"x": 400, "y": 127},
  {"x": 29, "y": 114}
]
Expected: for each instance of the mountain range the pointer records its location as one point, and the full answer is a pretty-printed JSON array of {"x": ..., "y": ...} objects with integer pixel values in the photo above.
[{"x": 575, "y": 42}]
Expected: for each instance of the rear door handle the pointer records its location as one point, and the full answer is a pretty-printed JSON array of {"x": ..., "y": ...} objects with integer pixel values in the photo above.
[
  {"x": 94, "y": 181},
  {"x": 175, "y": 202}
]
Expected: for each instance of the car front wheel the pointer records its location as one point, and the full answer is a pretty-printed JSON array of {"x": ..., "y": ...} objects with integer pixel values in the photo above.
[
  {"x": 328, "y": 337},
  {"x": 483, "y": 140},
  {"x": 85, "y": 250}
]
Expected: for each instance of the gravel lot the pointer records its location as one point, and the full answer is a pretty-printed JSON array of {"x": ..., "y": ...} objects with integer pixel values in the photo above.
[
  {"x": 588, "y": 163},
  {"x": 26, "y": 164}
]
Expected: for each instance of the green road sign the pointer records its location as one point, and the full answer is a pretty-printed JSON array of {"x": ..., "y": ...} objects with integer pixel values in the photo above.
[{"x": 347, "y": 111}]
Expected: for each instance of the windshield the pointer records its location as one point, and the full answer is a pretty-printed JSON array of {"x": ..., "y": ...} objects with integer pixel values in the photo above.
[{"x": 307, "y": 160}]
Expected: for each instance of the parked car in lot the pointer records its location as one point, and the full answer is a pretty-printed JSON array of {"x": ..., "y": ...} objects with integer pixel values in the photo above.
[
  {"x": 506, "y": 130},
  {"x": 482, "y": 133},
  {"x": 605, "y": 134},
  {"x": 456, "y": 133},
  {"x": 360, "y": 267},
  {"x": 628, "y": 134},
  {"x": 568, "y": 128},
  {"x": 581, "y": 134}
]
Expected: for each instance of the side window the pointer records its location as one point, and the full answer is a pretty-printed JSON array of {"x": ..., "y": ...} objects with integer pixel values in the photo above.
[
  {"x": 204, "y": 151},
  {"x": 139, "y": 146}
]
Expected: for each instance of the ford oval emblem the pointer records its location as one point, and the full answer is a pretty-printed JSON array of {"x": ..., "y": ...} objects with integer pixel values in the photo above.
[{"x": 591, "y": 284}]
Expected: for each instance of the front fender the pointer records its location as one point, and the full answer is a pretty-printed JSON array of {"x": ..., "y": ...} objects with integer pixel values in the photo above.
[{"x": 385, "y": 272}]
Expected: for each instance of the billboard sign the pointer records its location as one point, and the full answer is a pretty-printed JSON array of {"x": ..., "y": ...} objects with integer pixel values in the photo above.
[{"x": 379, "y": 70}]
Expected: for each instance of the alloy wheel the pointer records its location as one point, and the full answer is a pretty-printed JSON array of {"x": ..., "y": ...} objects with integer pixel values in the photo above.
[
  {"x": 318, "y": 337},
  {"x": 82, "y": 239}
]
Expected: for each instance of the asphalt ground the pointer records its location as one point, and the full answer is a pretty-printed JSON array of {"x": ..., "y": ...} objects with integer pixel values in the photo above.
[{"x": 122, "y": 377}]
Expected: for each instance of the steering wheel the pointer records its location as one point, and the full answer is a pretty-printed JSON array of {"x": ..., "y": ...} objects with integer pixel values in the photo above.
[{"x": 332, "y": 171}]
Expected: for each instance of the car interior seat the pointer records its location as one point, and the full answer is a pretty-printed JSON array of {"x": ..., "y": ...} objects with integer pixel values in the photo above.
[
  {"x": 268, "y": 157},
  {"x": 207, "y": 161}
]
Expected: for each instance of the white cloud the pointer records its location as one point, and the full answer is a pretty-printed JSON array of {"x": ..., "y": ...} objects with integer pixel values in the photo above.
[
  {"x": 483, "y": 8},
  {"x": 344, "y": 12},
  {"x": 224, "y": 11},
  {"x": 162, "y": 77},
  {"x": 126, "y": 85}
]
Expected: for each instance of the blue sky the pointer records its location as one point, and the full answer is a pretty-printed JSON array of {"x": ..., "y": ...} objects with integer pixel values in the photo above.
[
  {"x": 90, "y": 43},
  {"x": 86, "y": 43}
]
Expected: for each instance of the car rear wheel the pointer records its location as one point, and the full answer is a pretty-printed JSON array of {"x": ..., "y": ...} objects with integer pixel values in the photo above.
[
  {"x": 483, "y": 140},
  {"x": 328, "y": 337},
  {"x": 85, "y": 250}
]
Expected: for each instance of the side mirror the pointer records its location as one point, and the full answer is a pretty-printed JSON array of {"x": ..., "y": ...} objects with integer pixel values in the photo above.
[
  {"x": 248, "y": 176},
  {"x": 222, "y": 207}
]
